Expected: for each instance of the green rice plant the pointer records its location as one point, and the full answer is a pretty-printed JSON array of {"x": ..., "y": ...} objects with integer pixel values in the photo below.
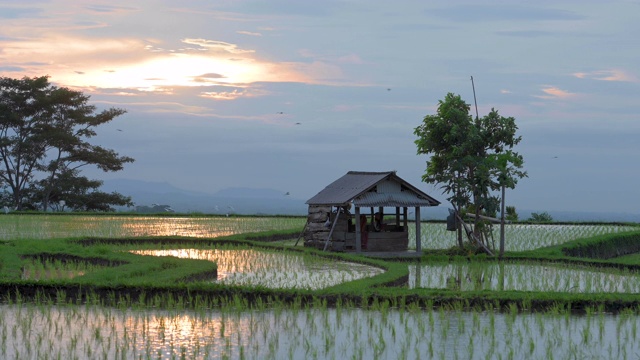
[
  {"x": 519, "y": 237},
  {"x": 64, "y": 226}
]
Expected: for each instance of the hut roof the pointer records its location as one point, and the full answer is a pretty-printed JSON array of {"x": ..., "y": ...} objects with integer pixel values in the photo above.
[{"x": 372, "y": 189}]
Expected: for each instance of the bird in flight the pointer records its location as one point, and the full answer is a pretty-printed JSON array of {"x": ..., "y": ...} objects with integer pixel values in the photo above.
[
  {"x": 297, "y": 123},
  {"x": 287, "y": 193},
  {"x": 280, "y": 112}
]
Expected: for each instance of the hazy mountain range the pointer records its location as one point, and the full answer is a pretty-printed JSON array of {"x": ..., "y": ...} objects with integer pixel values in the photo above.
[
  {"x": 249, "y": 201},
  {"x": 244, "y": 201}
]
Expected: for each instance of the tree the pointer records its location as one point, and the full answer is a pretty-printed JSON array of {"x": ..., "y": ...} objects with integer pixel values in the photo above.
[
  {"x": 76, "y": 193},
  {"x": 512, "y": 215},
  {"x": 44, "y": 133},
  {"x": 542, "y": 217},
  {"x": 470, "y": 158}
]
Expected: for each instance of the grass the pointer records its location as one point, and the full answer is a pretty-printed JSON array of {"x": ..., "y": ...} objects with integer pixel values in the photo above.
[
  {"x": 134, "y": 306},
  {"x": 108, "y": 269}
]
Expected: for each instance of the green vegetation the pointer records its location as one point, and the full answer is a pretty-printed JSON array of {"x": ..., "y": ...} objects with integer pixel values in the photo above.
[
  {"x": 102, "y": 262},
  {"x": 45, "y": 140},
  {"x": 446, "y": 302},
  {"x": 542, "y": 217},
  {"x": 511, "y": 213},
  {"x": 470, "y": 158}
]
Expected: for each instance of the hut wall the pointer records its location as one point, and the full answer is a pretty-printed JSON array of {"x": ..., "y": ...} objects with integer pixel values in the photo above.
[
  {"x": 316, "y": 232},
  {"x": 381, "y": 241}
]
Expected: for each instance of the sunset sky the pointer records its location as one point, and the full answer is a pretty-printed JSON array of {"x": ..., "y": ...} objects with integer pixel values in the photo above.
[{"x": 292, "y": 94}]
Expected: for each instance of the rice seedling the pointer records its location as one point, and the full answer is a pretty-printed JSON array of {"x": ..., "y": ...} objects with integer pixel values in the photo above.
[
  {"x": 56, "y": 226},
  {"x": 178, "y": 326},
  {"x": 522, "y": 277},
  {"x": 273, "y": 269},
  {"x": 519, "y": 237}
]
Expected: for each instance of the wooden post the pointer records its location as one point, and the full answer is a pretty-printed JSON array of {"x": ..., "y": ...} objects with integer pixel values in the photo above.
[
  {"x": 397, "y": 216},
  {"x": 302, "y": 233},
  {"x": 405, "y": 222},
  {"x": 335, "y": 221},
  {"x": 502, "y": 225},
  {"x": 460, "y": 243},
  {"x": 418, "y": 237},
  {"x": 372, "y": 217},
  {"x": 358, "y": 232}
]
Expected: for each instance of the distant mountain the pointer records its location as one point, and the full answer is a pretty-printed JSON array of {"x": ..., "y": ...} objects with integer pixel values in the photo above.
[
  {"x": 242, "y": 200},
  {"x": 250, "y": 193},
  {"x": 136, "y": 186},
  {"x": 245, "y": 201}
]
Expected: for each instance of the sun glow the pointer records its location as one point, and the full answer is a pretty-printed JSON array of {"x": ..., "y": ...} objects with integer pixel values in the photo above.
[
  {"x": 143, "y": 66},
  {"x": 173, "y": 70}
]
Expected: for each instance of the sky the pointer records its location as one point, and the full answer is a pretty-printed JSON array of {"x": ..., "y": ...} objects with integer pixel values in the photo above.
[{"x": 292, "y": 94}]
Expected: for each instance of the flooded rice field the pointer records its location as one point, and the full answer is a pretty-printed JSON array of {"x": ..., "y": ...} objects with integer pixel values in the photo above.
[
  {"x": 87, "y": 331},
  {"x": 56, "y": 226},
  {"x": 553, "y": 277},
  {"x": 273, "y": 269}
]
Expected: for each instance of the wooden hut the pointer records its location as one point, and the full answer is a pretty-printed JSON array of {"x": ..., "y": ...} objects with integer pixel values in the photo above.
[{"x": 349, "y": 214}]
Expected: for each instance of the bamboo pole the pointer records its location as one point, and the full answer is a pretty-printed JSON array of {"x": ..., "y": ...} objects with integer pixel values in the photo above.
[{"x": 335, "y": 221}]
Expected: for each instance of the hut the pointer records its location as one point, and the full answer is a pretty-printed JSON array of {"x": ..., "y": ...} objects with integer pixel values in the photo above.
[{"x": 349, "y": 214}]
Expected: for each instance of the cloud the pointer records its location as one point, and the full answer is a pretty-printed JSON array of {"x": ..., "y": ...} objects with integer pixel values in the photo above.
[
  {"x": 552, "y": 92},
  {"x": 145, "y": 65},
  {"x": 214, "y": 45},
  {"x": 102, "y": 9},
  {"x": 223, "y": 95},
  {"x": 607, "y": 75},
  {"x": 11, "y": 69},
  {"x": 8, "y": 12},
  {"x": 249, "y": 33},
  {"x": 208, "y": 77},
  {"x": 490, "y": 13}
]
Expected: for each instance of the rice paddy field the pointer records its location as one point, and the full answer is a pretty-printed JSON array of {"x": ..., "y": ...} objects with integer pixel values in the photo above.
[{"x": 125, "y": 287}]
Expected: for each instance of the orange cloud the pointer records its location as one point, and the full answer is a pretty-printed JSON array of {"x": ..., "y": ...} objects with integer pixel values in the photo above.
[
  {"x": 552, "y": 92},
  {"x": 143, "y": 65},
  {"x": 607, "y": 75}
]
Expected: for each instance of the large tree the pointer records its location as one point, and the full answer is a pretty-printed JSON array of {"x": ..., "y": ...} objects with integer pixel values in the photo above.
[
  {"x": 470, "y": 158},
  {"x": 44, "y": 137},
  {"x": 76, "y": 193}
]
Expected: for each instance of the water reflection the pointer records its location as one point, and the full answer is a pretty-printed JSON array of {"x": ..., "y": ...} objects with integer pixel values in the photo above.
[
  {"x": 49, "y": 274},
  {"x": 50, "y": 226},
  {"x": 273, "y": 269},
  {"x": 49, "y": 331},
  {"x": 522, "y": 277}
]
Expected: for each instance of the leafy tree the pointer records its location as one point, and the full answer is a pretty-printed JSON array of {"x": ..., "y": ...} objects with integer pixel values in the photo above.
[
  {"x": 44, "y": 133},
  {"x": 76, "y": 193},
  {"x": 511, "y": 213},
  {"x": 542, "y": 217},
  {"x": 470, "y": 158}
]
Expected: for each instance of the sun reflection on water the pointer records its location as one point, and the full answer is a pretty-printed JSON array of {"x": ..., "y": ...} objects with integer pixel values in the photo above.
[{"x": 273, "y": 269}]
